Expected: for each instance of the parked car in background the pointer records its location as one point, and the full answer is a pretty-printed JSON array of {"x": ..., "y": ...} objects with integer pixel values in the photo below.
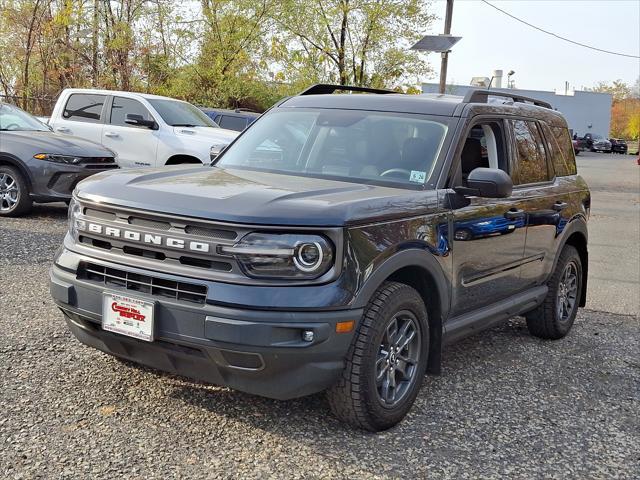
[
  {"x": 618, "y": 145},
  {"x": 237, "y": 120},
  {"x": 39, "y": 165},
  {"x": 577, "y": 146},
  {"x": 144, "y": 130},
  {"x": 597, "y": 143}
]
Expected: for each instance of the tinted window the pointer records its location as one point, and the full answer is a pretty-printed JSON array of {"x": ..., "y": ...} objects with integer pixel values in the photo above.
[
  {"x": 561, "y": 149},
  {"x": 531, "y": 166},
  {"x": 356, "y": 146},
  {"x": 233, "y": 123},
  {"x": 84, "y": 107},
  {"x": 122, "y": 106}
]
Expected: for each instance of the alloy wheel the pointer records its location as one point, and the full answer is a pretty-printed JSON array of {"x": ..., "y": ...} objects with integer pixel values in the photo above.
[
  {"x": 9, "y": 192},
  {"x": 398, "y": 358},
  {"x": 567, "y": 292}
]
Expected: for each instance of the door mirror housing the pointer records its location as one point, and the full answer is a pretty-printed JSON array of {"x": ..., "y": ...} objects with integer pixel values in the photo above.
[
  {"x": 139, "y": 121},
  {"x": 488, "y": 183}
]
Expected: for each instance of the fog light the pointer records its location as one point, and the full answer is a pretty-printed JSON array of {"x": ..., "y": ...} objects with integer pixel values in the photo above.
[{"x": 307, "y": 335}]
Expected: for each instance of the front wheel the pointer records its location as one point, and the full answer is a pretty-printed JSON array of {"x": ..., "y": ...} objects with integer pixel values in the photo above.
[
  {"x": 14, "y": 193},
  {"x": 386, "y": 361},
  {"x": 554, "y": 318}
]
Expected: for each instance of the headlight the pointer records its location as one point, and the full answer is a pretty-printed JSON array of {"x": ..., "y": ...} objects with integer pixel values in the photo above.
[
  {"x": 283, "y": 255},
  {"x": 75, "y": 210},
  {"x": 50, "y": 157}
]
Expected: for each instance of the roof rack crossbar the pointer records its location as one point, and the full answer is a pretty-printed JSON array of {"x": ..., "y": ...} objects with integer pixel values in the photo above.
[
  {"x": 325, "y": 88},
  {"x": 481, "y": 96}
]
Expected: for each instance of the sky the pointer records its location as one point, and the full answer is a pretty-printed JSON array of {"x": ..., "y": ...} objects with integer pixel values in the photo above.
[{"x": 491, "y": 40}]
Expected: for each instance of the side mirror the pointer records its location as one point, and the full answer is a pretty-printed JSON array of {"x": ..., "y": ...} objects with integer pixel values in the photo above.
[
  {"x": 139, "y": 120},
  {"x": 487, "y": 182}
]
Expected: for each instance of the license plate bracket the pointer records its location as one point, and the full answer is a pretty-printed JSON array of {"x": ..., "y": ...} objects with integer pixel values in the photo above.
[{"x": 129, "y": 316}]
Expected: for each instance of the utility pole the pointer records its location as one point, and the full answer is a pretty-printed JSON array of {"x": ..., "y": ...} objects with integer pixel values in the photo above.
[{"x": 445, "y": 55}]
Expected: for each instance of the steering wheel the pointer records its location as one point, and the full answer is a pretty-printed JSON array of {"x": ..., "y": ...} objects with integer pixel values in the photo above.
[
  {"x": 12, "y": 126},
  {"x": 396, "y": 172}
]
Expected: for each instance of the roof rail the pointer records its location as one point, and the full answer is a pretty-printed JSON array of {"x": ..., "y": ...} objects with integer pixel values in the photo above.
[
  {"x": 481, "y": 96},
  {"x": 325, "y": 88}
]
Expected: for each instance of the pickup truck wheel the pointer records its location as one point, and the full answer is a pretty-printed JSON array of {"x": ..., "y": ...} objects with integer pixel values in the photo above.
[
  {"x": 554, "y": 318},
  {"x": 386, "y": 361},
  {"x": 14, "y": 193}
]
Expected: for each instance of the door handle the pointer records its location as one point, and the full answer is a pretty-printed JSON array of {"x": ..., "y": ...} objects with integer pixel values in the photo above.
[
  {"x": 559, "y": 206},
  {"x": 514, "y": 213},
  {"x": 62, "y": 129},
  {"x": 110, "y": 134}
]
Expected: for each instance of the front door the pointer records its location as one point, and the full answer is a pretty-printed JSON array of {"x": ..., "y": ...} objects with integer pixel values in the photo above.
[
  {"x": 487, "y": 236},
  {"x": 136, "y": 146}
]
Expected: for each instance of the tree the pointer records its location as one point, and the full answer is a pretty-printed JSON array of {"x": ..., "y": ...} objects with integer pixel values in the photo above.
[
  {"x": 619, "y": 90},
  {"x": 360, "y": 42}
]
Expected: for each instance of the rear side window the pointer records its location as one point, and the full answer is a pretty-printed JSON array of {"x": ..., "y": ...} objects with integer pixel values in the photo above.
[
  {"x": 83, "y": 107},
  {"x": 122, "y": 106},
  {"x": 233, "y": 123},
  {"x": 531, "y": 160},
  {"x": 562, "y": 154}
]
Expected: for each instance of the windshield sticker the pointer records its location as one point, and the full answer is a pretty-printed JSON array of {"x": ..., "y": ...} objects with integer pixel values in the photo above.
[{"x": 417, "y": 176}]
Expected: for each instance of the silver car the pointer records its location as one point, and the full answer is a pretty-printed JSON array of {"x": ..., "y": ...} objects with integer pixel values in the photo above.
[{"x": 38, "y": 165}]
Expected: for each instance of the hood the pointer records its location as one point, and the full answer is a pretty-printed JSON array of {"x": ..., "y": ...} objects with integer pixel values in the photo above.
[
  {"x": 50, "y": 142},
  {"x": 241, "y": 196},
  {"x": 209, "y": 134}
]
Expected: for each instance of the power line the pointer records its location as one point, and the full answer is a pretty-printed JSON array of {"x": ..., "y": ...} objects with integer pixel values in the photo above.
[{"x": 560, "y": 37}]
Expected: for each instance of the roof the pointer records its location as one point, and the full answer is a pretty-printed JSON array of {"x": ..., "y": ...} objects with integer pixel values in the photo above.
[
  {"x": 238, "y": 112},
  {"x": 96, "y": 91},
  {"x": 391, "y": 102}
]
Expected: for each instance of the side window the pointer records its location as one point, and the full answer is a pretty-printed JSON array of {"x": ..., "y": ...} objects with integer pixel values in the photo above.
[
  {"x": 561, "y": 148},
  {"x": 82, "y": 107},
  {"x": 122, "y": 106},
  {"x": 484, "y": 147},
  {"x": 531, "y": 161},
  {"x": 233, "y": 123}
]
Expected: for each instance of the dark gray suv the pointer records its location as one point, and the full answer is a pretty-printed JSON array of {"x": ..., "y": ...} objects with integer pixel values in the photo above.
[
  {"x": 338, "y": 244},
  {"x": 39, "y": 165}
]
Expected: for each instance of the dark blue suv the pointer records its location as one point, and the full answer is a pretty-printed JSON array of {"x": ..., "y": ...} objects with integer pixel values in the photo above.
[{"x": 237, "y": 120}]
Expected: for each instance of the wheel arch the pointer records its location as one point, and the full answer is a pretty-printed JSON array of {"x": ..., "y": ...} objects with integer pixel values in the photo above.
[
  {"x": 420, "y": 270},
  {"x": 11, "y": 161},
  {"x": 181, "y": 159},
  {"x": 576, "y": 235}
]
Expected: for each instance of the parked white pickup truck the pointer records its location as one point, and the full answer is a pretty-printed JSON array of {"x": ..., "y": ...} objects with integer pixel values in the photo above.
[{"x": 143, "y": 130}]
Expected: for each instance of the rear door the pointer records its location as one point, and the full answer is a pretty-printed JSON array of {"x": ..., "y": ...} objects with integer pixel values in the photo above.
[
  {"x": 82, "y": 115},
  {"x": 535, "y": 188},
  {"x": 136, "y": 146}
]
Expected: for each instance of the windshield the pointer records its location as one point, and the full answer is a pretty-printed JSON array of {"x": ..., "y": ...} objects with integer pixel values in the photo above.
[
  {"x": 13, "y": 119},
  {"x": 181, "y": 114},
  {"x": 352, "y": 145}
]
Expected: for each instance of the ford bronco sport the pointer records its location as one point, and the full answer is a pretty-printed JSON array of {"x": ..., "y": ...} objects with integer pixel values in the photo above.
[{"x": 338, "y": 244}]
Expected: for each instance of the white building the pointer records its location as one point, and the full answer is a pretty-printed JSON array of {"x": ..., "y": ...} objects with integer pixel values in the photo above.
[{"x": 586, "y": 112}]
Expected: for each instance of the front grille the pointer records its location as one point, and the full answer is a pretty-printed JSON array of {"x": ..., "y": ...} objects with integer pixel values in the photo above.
[
  {"x": 155, "y": 224},
  {"x": 148, "y": 284},
  {"x": 210, "y": 232}
]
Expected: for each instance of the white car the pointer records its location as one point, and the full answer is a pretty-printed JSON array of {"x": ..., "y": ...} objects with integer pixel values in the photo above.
[{"x": 143, "y": 130}]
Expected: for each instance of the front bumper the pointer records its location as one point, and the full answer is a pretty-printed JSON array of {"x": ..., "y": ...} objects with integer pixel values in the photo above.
[
  {"x": 256, "y": 351},
  {"x": 53, "y": 182}
]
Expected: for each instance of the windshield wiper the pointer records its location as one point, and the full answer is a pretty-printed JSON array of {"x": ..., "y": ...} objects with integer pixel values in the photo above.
[{"x": 185, "y": 125}]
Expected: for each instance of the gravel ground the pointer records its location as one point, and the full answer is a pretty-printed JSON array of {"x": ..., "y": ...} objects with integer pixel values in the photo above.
[{"x": 507, "y": 404}]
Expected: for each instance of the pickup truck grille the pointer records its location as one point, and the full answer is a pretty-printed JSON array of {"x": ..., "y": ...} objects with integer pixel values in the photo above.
[
  {"x": 198, "y": 255},
  {"x": 159, "y": 287}
]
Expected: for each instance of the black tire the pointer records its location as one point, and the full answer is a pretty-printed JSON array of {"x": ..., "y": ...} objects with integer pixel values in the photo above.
[
  {"x": 20, "y": 205},
  {"x": 548, "y": 321},
  {"x": 356, "y": 398}
]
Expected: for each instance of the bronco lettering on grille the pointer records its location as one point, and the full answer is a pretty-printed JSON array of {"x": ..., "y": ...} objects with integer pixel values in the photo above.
[{"x": 146, "y": 238}]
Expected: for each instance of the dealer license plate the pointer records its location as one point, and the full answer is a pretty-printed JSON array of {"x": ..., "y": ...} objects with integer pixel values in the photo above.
[{"x": 127, "y": 316}]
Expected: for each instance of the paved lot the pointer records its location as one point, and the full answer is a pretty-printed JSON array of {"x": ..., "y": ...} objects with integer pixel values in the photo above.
[{"x": 507, "y": 404}]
